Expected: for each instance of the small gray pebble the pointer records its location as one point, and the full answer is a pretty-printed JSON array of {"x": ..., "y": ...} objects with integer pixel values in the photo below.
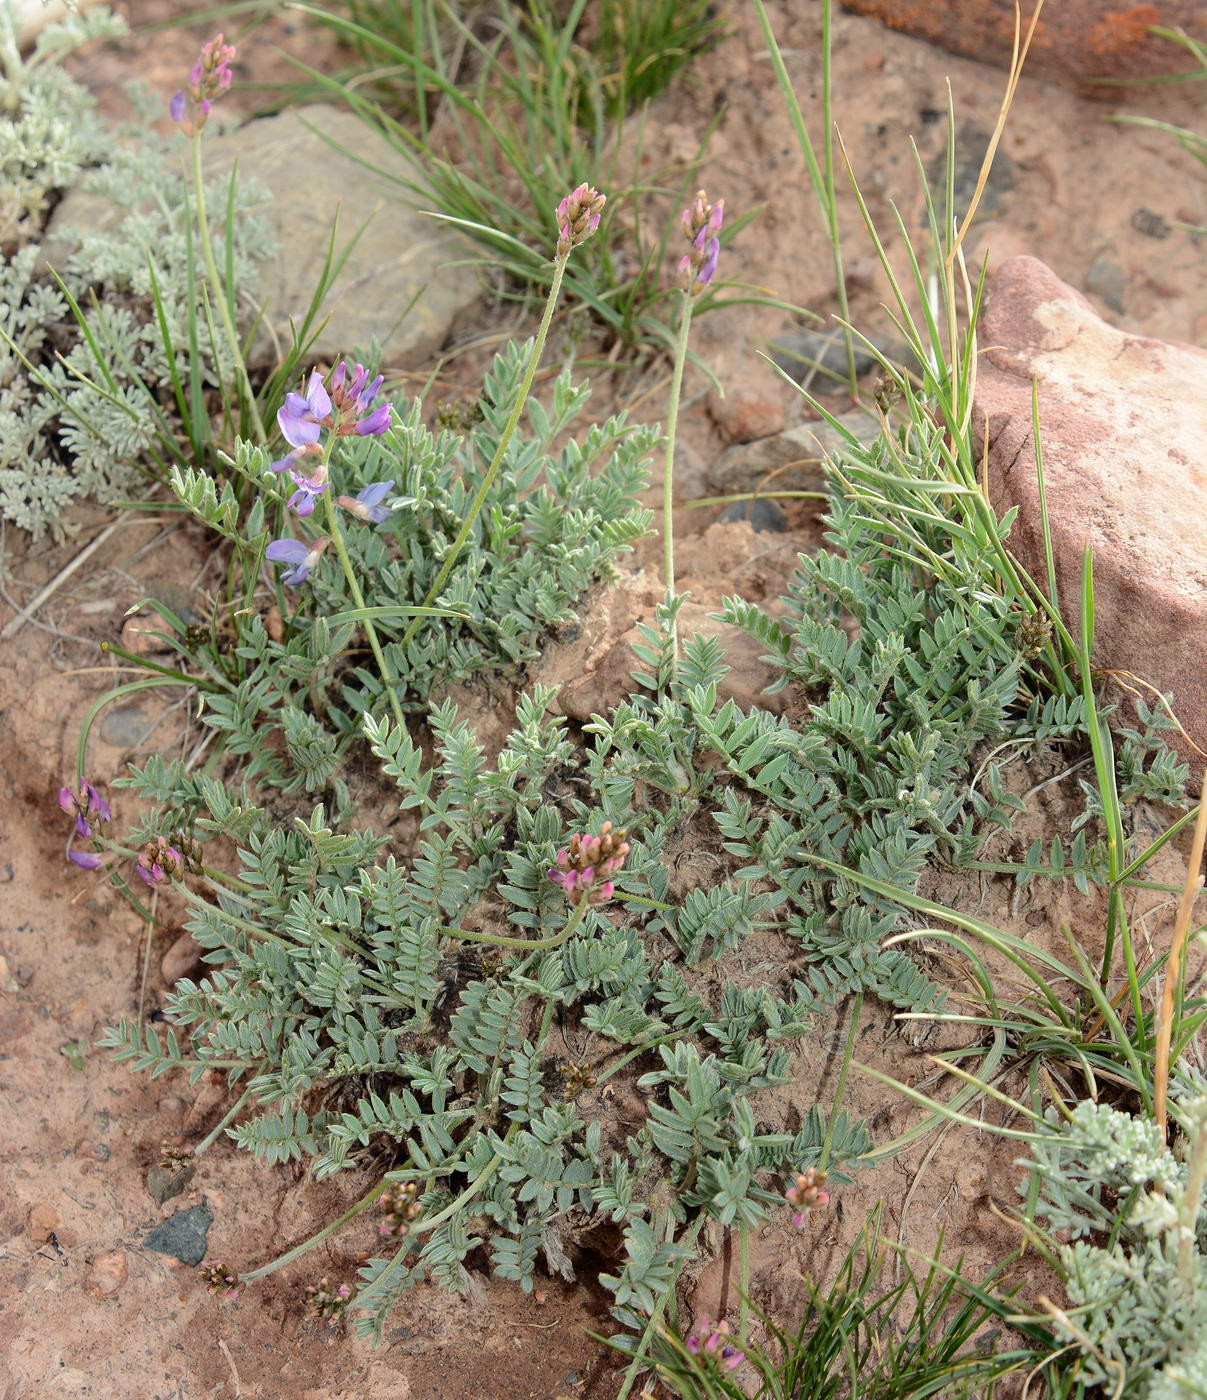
[
  {"x": 126, "y": 727},
  {"x": 183, "y": 1236},
  {"x": 1106, "y": 279},
  {"x": 797, "y": 352},
  {"x": 761, "y": 513}
]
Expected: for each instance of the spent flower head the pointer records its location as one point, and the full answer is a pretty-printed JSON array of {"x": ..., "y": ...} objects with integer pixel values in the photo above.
[
  {"x": 716, "y": 1348},
  {"x": 806, "y": 1194},
  {"x": 209, "y": 78},
  {"x": 578, "y": 217},
  {"x": 701, "y": 224},
  {"x": 586, "y": 864}
]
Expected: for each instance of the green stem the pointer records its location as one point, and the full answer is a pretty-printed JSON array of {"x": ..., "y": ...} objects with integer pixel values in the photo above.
[
  {"x": 498, "y": 941},
  {"x": 387, "y": 676},
  {"x": 212, "y": 1135},
  {"x": 668, "y": 463},
  {"x": 211, "y": 267},
  {"x": 559, "y": 268},
  {"x": 325, "y": 1233}
]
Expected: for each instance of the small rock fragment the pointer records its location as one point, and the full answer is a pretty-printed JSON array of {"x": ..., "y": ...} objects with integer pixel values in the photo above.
[
  {"x": 761, "y": 513},
  {"x": 126, "y": 727},
  {"x": 818, "y": 356},
  {"x": 43, "y": 1222},
  {"x": 745, "y": 417},
  {"x": 183, "y": 1235},
  {"x": 106, "y": 1274}
]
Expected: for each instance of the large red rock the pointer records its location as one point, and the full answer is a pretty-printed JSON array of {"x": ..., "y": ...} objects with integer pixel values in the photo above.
[
  {"x": 1075, "y": 40},
  {"x": 1123, "y": 423}
]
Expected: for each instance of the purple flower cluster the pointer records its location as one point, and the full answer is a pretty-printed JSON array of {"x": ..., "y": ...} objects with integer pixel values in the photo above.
[
  {"x": 86, "y": 806},
  {"x": 585, "y": 865},
  {"x": 343, "y": 406},
  {"x": 209, "y": 78},
  {"x": 716, "y": 1348},
  {"x": 578, "y": 217},
  {"x": 701, "y": 225}
]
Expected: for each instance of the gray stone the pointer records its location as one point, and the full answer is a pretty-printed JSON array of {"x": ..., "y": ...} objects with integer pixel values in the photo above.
[
  {"x": 761, "y": 514},
  {"x": 126, "y": 727},
  {"x": 794, "y": 457},
  {"x": 818, "y": 356},
  {"x": 1106, "y": 279},
  {"x": 972, "y": 143},
  {"x": 183, "y": 1236},
  {"x": 398, "y": 289}
]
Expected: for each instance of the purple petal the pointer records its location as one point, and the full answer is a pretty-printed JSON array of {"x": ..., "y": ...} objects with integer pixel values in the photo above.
[
  {"x": 86, "y": 860},
  {"x": 369, "y": 496},
  {"x": 282, "y": 463},
  {"x": 296, "y": 430},
  {"x": 377, "y": 421},
  {"x": 66, "y": 799},
  {"x": 81, "y": 826},
  {"x": 96, "y": 803},
  {"x": 317, "y": 396},
  {"x": 302, "y": 501},
  {"x": 176, "y": 107},
  {"x": 295, "y": 577},
  {"x": 286, "y": 551},
  {"x": 709, "y": 265},
  {"x": 368, "y": 394}
]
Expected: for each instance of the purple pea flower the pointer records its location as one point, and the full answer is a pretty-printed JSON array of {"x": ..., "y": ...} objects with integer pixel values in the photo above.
[
  {"x": 86, "y": 860},
  {"x": 88, "y": 803},
  {"x": 303, "y": 558},
  {"x": 365, "y": 505},
  {"x": 301, "y": 416},
  {"x": 701, "y": 224},
  {"x": 310, "y": 488},
  {"x": 716, "y": 1347},
  {"x": 209, "y": 78}
]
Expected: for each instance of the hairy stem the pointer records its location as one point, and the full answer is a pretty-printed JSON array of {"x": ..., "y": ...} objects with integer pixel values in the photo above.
[
  {"x": 387, "y": 676},
  {"x": 559, "y": 268},
  {"x": 219, "y": 290}
]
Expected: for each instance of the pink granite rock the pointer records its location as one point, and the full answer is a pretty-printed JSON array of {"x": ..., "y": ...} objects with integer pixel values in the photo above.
[{"x": 1123, "y": 423}]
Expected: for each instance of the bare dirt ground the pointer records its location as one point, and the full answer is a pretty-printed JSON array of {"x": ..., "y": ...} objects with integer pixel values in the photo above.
[{"x": 86, "y": 1310}]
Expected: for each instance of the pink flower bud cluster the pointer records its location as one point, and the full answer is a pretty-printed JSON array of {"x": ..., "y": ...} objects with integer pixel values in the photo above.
[
  {"x": 209, "y": 78},
  {"x": 326, "y": 1300},
  {"x": 400, "y": 1201},
  {"x": 806, "y": 1194},
  {"x": 587, "y": 863},
  {"x": 716, "y": 1348},
  {"x": 701, "y": 223},
  {"x": 219, "y": 1279},
  {"x": 578, "y": 217},
  {"x": 159, "y": 862}
]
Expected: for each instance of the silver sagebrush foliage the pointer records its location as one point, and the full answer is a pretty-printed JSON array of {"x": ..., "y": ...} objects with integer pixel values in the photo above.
[
  {"x": 81, "y": 385},
  {"x": 1137, "y": 1310}
]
